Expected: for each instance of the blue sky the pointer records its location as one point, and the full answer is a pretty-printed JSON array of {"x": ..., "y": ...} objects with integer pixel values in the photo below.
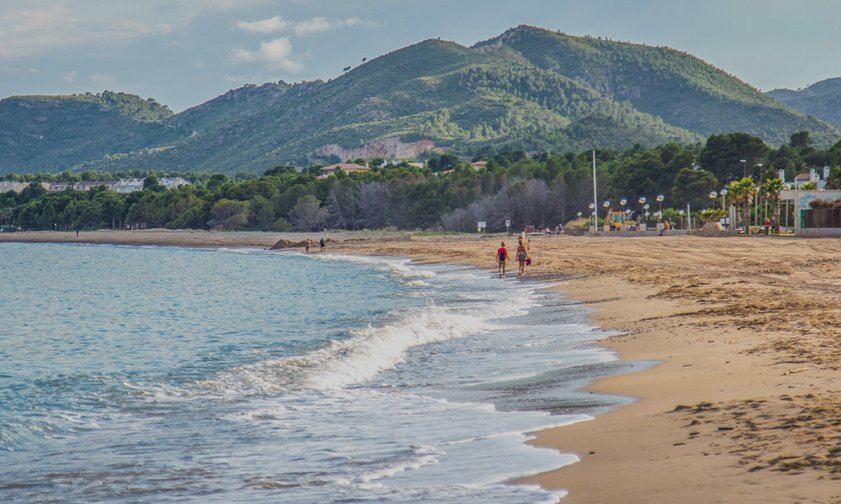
[{"x": 185, "y": 52}]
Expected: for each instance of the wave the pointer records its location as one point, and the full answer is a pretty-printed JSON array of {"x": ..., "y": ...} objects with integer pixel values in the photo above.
[
  {"x": 400, "y": 268},
  {"x": 368, "y": 352}
]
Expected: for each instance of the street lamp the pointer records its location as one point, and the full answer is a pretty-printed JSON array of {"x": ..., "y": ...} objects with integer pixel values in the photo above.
[
  {"x": 681, "y": 216},
  {"x": 723, "y": 193},
  {"x": 744, "y": 167},
  {"x": 756, "y": 199},
  {"x": 713, "y": 196},
  {"x": 625, "y": 213},
  {"x": 606, "y": 206},
  {"x": 593, "y": 213},
  {"x": 660, "y": 199},
  {"x": 646, "y": 210}
]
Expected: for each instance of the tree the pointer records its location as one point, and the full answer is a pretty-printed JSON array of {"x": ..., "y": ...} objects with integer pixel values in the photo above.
[
  {"x": 693, "y": 187},
  {"x": 771, "y": 189},
  {"x": 741, "y": 192},
  {"x": 150, "y": 183},
  {"x": 723, "y": 154},
  {"x": 112, "y": 207},
  {"x": 801, "y": 141},
  {"x": 229, "y": 214},
  {"x": 262, "y": 213},
  {"x": 307, "y": 214},
  {"x": 373, "y": 205},
  {"x": 711, "y": 214}
]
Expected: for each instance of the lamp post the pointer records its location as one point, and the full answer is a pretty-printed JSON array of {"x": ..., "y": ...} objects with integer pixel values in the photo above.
[
  {"x": 646, "y": 207},
  {"x": 593, "y": 214},
  {"x": 606, "y": 206},
  {"x": 681, "y": 216},
  {"x": 713, "y": 196},
  {"x": 660, "y": 199},
  {"x": 723, "y": 193},
  {"x": 624, "y": 202},
  {"x": 744, "y": 167},
  {"x": 641, "y": 201},
  {"x": 756, "y": 200}
]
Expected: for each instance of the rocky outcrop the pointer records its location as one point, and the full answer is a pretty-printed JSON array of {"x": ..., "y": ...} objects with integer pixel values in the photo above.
[{"x": 391, "y": 147}]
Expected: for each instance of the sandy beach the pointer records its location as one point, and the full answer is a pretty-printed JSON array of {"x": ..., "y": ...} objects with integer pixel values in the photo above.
[{"x": 745, "y": 404}]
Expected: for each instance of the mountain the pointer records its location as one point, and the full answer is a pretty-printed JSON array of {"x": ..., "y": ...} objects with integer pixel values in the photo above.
[
  {"x": 528, "y": 88},
  {"x": 55, "y": 133},
  {"x": 822, "y": 100},
  {"x": 681, "y": 89}
]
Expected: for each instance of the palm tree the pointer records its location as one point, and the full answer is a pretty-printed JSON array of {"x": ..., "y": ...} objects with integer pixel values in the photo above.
[
  {"x": 741, "y": 192},
  {"x": 771, "y": 189}
]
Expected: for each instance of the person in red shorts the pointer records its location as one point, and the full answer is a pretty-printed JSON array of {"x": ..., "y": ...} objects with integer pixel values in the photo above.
[{"x": 501, "y": 258}]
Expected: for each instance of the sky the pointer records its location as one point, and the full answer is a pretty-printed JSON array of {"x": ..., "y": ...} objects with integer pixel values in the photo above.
[{"x": 185, "y": 52}]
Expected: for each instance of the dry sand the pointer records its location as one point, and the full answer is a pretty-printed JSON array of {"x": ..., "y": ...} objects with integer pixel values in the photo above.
[{"x": 745, "y": 405}]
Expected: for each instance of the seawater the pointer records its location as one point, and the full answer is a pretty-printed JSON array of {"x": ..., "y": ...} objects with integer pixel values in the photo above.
[{"x": 150, "y": 375}]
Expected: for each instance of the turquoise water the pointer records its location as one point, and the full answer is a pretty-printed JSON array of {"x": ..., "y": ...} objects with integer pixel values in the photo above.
[{"x": 184, "y": 375}]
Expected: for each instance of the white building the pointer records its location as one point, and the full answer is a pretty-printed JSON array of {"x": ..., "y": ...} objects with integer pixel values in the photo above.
[
  {"x": 173, "y": 182},
  {"x": 127, "y": 185}
]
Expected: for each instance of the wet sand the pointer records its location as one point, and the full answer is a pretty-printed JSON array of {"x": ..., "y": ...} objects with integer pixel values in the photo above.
[{"x": 745, "y": 405}]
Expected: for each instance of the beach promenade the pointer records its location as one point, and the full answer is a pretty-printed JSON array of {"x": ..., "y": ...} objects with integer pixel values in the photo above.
[{"x": 745, "y": 405}]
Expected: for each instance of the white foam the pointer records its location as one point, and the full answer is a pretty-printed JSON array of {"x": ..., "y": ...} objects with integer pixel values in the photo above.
[{"x": 368, "y": 352}]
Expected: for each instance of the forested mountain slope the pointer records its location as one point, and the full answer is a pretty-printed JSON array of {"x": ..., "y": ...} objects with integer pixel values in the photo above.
[
  {"x": 528, "y": 89},
  {"x": 822, "y": 100}
]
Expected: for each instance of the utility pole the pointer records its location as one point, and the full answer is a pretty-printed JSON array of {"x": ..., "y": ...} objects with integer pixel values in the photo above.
[{"x": 595, "y": 197}]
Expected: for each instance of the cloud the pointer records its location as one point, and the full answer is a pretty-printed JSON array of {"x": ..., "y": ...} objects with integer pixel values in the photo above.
[
  {"x": 71, "y": 76},
  {"x": 102, "y": 79},
  {"x": 276, "y": 54},
  {"x": 277, "y": 24},
  {"x": 271, "y": 25},
  {"x": 41, "y": 26}
]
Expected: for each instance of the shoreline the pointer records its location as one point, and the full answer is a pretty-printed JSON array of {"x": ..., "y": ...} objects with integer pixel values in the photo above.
[{"x": 743, "y": 406}]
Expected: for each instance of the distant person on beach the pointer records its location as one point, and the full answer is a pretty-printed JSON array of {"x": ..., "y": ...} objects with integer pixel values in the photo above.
[
  {"x": 321, "y": 244},
  {"x": 307, "y": 245},
  {"x": 666, "y": 227},
  {"x": 522, "y": 256},
  {"x": 501, "y": 257}
]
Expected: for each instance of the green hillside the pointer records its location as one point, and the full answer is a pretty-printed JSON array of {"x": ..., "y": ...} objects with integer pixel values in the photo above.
[
  {"x": 680, "y": 88},
  {"x": 528, "y": 89},
  {"x": 822, "y": 100},
  {"x": 54, "y": 133}
]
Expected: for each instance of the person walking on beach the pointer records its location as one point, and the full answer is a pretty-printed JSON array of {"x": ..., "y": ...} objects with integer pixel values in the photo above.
[
  {"x": 307, "y": 245},
  {"x": 522, "y": 256},
  {"x": 501, "y": 257},
  {"x": 321, "y": 244}
]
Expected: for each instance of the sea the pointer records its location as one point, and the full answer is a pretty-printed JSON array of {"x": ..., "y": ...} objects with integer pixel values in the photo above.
[{"x": 164, "y": 374}]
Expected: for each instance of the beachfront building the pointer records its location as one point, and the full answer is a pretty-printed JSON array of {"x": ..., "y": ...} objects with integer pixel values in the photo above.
[
  {"x": 326, "y": 171},
  {"x": 800, "y": 199}
]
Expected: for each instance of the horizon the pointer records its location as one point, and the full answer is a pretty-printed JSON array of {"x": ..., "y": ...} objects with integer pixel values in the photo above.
[{"x": 204, "y": 48}]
